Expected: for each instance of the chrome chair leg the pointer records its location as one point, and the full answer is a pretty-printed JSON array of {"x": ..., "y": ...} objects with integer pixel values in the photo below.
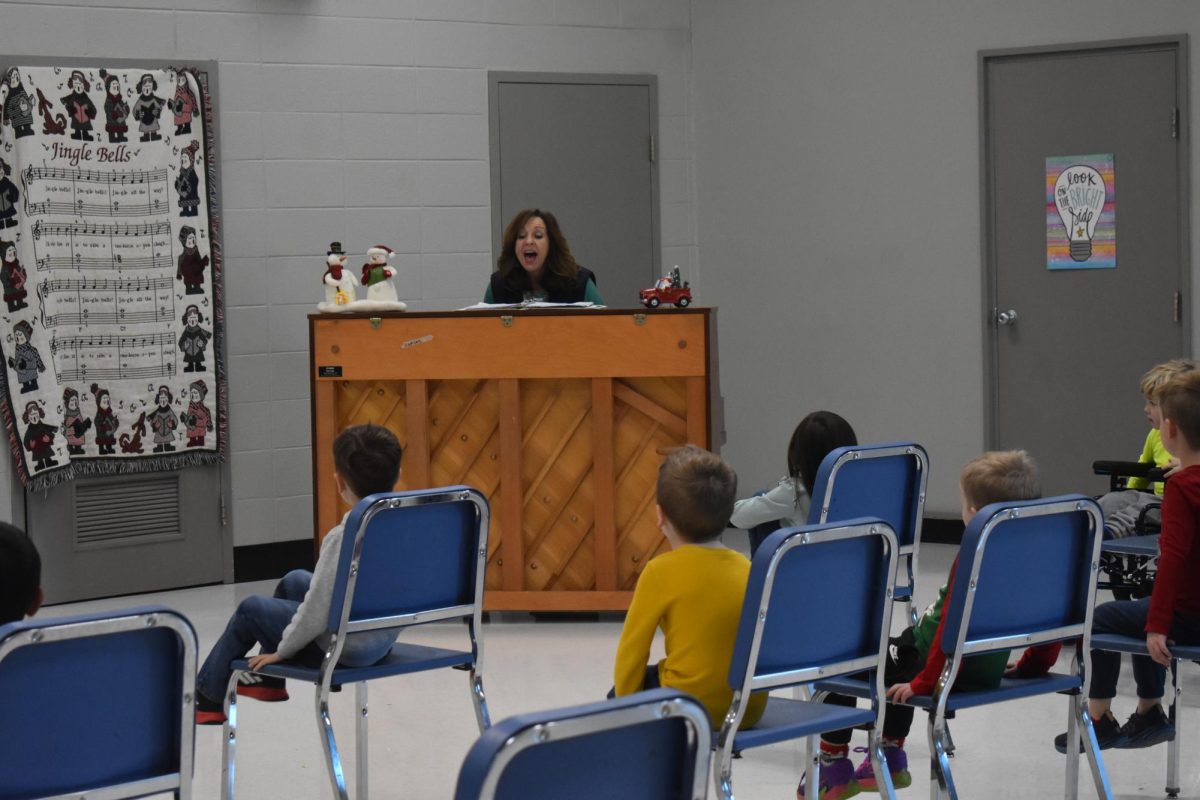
[
  {"x": 1174, "y": 712},
  {"x": 479, "y": 700},
  {"x": 1099, "y": 776},
  {"x": 333, "y": 760},
  {"x": 229, "y": 742},
  {"x": 360, "y": 740}
]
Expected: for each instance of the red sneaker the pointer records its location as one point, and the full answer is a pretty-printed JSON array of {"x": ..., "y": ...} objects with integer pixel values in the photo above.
[{"x": 263, "y": 688}]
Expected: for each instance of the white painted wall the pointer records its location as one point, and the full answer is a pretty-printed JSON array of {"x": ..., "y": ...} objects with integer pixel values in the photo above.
[
  {"x": 362, "y": 121},
  {"x": 837, "y": 174}
]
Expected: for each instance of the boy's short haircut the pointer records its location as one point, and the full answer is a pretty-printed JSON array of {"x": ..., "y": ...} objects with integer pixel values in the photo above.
[
  {"x": 20, "y": 573},
  {"x": 1159, "y": 374},
  {"x": 368, "y": 459},
  {"x": 696, "y": 490},
  {"x": 1000, "y": 476},
  {"x": 1180, "y": 402}
]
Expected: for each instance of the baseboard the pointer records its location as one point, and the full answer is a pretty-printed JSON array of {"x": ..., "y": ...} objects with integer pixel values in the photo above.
[
  {"x": 260, "y": 562},
  {"x": 942, "y": 531}
]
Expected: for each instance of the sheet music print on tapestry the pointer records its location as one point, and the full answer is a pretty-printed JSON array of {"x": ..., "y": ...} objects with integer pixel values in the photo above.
[{"x": 112, "y": 288}]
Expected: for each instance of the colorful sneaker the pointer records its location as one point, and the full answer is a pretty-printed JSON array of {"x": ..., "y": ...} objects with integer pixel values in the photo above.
[
  {"x": 208, "y": 712},
  {"x": 837, "y": 781},
  {"x": 1146, "y": 730},
  {"x": 897, "y": 763},
  {"x": 1108, "y": 734},
  {"x": 265, "y": 688}
]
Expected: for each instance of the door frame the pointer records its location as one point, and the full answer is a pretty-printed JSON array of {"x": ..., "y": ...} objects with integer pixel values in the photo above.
[
  {"x": 1179, "y": 44},
  {"x": 495, "y": 78}
]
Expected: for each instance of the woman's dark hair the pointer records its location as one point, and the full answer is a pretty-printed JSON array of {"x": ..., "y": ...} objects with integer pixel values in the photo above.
[
  {"x": 561, "y": 270},
  {"x": 816, "y": 435}
]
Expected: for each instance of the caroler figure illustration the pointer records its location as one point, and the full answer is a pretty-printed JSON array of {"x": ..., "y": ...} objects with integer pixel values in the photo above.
[
  {"x": 147, "y": 108},
  {"x": 18, "y": 105},
  {"x": 190, "y": 263},
  {"x": 377, "y": 275},
  {"x": 197, "y": 418},
  {"x": 80, "y": 108},
  {"x": 193, "y": 340},
  {"x": 116, "y": 109},
  {"x": 9, "y": 195},
  {"x": 39, "y": 437},
  {"x": 106, "y": 421},
  {"x": 183, "y": 104},
  {"x": 163, "y": 420},
  {"x": 339, "y": 282},
  {"x": 74, "y": 424},
  {"x": 12, "y": 277},
  {"x": 187, "y": 183},
  {"x": 25, "y": 360}
]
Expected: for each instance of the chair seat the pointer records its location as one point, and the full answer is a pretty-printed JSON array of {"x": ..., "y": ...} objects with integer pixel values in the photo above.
[
  {"x": 792, "y": 719},
  {"x": 1009, "y": 689},
  {"x": 1137, "y": 646},
  {"x": 1132, "y": 545},
  {"x": 902, "y": 593},
  {"x": 402, "y": 660}
]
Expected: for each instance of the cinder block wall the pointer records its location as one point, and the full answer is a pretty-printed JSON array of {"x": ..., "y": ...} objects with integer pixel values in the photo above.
[{"x": 363, "y": 121}]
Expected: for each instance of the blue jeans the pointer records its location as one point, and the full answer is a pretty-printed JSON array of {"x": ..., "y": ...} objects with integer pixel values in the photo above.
[
  {"x": 262, "y": 620},
  {"x": 1128, "y": 618}
]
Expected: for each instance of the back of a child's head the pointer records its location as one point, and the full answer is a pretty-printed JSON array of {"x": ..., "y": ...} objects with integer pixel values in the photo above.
[
  {"x": 1179, "y": 399},
  {"x": 814, "y": 438},
  {"x": 20, "y": 573},
  {"x": 368, "y": 459},
  {"x": 1159, "y": 374},
  {"x": 696, "y": 490},
  {"x": 1000, "y": 476}
]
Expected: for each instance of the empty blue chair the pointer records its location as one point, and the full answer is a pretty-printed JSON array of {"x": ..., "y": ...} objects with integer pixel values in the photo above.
[
  {"x": 787, "y": 637},
  {"x": 407, "y": 558},
  {"x": 1026, "y": 576},
  {"x": 878, "y": 480},
  {"x": 651, "y": 745},
  {"x": 98, "y": 705}
]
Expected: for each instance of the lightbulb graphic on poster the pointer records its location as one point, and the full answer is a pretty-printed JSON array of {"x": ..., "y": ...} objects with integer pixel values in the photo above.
[{"x": 1081, "y": 212}]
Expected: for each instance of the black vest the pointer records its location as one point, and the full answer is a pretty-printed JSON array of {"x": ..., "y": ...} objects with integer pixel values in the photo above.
[{"x": 504, "y": 293}]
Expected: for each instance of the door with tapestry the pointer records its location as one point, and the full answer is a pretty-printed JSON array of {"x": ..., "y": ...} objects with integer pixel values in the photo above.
[
  {"x": 1086, "y": 262},
  {"x": 112, "y": 379}
]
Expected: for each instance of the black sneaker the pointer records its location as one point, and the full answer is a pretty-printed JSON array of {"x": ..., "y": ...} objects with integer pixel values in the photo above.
[
  {"x": 1146, "y": 730},
  {"x": 1108, "y": 734},
  {"x": 209, "y": 712}
]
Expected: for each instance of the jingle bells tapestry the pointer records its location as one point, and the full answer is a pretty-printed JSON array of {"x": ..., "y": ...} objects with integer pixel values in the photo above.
[{"x": 112, "y": 324}]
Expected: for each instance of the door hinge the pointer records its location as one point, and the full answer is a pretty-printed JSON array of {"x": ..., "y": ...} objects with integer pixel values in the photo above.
[
  {"x": 1174, "y": 123},
  {"x": 1177, "y": 307},
  {"x": 651, "y": 149}
]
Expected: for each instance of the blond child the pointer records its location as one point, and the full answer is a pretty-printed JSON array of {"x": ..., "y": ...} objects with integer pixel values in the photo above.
[
  {"x": 693, "y": 592},
  {"x": 1123, "y": 509}
]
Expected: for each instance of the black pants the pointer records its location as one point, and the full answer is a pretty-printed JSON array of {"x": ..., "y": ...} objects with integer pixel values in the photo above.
[{"x": 904, "y": 662}]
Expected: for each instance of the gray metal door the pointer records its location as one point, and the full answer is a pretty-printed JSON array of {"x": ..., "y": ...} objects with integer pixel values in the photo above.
[
  {"x": 581, "y": 148},
  {"x": 1064, "y": 368},
  {"x": 126, "y": 534}
]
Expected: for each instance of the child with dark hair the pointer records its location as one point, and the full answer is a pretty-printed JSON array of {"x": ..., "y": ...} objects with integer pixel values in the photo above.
[
  {"x": 291, "y": 625},
  {"x": 787, "y": 504},
  {"x": 20, "y": 575},
  {"x": 694, "y": 592}
]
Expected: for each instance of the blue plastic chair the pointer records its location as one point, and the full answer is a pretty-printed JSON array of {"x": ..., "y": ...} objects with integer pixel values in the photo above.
[
  {"x": 97, "y": 705},
  {"x": 1147, "y": 547},
  {"x": 786, "y": 638},
  {"x": 407, "y": 558},
  {"x": 1050, "y": 550},
  {"x": 879, "y": 480},
  {"x": 644, "y": 746}
]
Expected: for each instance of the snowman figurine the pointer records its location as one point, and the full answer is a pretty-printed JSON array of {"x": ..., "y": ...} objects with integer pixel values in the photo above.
[
  {"x": 339, "y": 282},
  {"x": 377, "y": 275}
]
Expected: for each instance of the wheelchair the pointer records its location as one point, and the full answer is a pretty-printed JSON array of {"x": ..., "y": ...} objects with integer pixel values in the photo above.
[{"x": 1131, "y": 574}]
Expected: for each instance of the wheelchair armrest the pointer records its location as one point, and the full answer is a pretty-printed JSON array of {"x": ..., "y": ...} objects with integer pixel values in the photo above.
[{"x": 1129, "y": 469}]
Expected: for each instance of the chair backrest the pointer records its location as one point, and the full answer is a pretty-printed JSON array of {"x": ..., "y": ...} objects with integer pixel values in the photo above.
[
  {"x": 411, "y": 557},
  {"x": 645, "y": 746},
  {"x": 1026, "y": 575},
  {"x": 95, "y": 702},
  {"x": 818, "y": 604},
  {"x": 876, "y": 480}
]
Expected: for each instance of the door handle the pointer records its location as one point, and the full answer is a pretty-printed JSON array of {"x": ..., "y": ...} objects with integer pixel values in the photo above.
[{"x": 1006, "y": 317}]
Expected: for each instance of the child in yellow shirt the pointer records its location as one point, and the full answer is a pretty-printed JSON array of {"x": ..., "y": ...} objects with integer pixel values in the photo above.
[{"x": 694, "y": 592}]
